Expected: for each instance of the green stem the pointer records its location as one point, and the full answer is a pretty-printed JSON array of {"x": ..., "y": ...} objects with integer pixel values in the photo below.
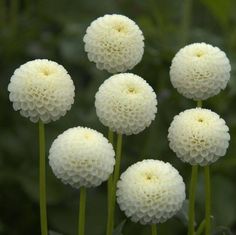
[
  {"x": 199, "y": 103},
  {"x": 109, "y": 187},
  {"x": 110, "y": 136},
  {"x": 154, "y": 229},
  {"x": 111, "y": 212},
  {"x": 118, "y": 159},
  {"x": 42, "y": 180},
  {"x": 201, "y": 228},
  {"x": 110, "y": 180},
  {"x": 191, "y": 211},
  {"x": 82, "y": 206},
  {"x": 186, "y": 20},
  {"x": 207, "y": 200}
]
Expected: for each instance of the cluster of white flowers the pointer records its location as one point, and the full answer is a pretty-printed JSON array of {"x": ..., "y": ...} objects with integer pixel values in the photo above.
[
  {"x": 82, "y": 157},
  {"x": 198, "y": 136},
  {"x": 150, "y": 192},
  {"x": 41, "y": 90},
  {"x": 200, "y": 71},
  {"x": 114, "y": 43},
  {"x": 126, "y": 103}
]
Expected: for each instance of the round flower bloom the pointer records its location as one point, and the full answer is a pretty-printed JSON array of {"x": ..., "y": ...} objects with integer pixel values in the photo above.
[
  {"x": 150, "y": 192},
  {"x": 199, "y": 71},
  {"x": 114, "y": 43},
  {"x": 198, "y": 136},
  {"x": 126, "y": 103},
  {"x": 82, "y": 157},
  {"x": 41, "y": 90}
]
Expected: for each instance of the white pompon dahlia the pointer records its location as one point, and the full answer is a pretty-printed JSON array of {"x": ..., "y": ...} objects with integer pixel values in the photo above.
[
  {"x": 81, "y": 157},
  {"x": 150, "y": 192},
  {"x": 114, "y": 43},
  {"x": 126, "y": 103},
  {"x": 198, "y": 136},
  {"x": 41, "y": 90},
  {"x": 199, "y": 71}
]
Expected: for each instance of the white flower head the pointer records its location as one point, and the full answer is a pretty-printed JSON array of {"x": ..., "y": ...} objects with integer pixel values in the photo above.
[
  {"x": 114, "y": 43},
  {"x": 150, "y": 192},
  {"x": 199, "y": 71},
  {"x": 198, "y": 136},
  {"x": 82, "y": 157},
  {"x": 41, "y": 90},
  {"x": 126, "y": 103}
]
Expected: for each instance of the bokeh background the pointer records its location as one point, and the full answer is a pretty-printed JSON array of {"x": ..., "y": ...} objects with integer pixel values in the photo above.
[{"x": 54, "y": 29}]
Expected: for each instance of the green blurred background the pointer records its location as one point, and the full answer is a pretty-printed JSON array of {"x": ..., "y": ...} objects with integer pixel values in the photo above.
[{"x": 54, "y": 29}]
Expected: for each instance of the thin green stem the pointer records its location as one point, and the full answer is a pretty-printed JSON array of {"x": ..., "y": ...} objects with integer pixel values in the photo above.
[
  {"x": 82, "y": 206},
  {"x": 207, "y": 200},
  {"x": 154, "y": 229},
  {"x": 109, "y": 187},
  {"x": 110, "y": 136},
  {"x": 191, "y": 211},
  {"x": 199, "y": 103},
  {"x": 118, "y": 159},
  {"x": 111, "y": 212},
  {"x": 201, "y": 228},
  {"x": 110, "y": 180},
  {"x": 207, "y": 194},
  {"x": 42, "y": 180},
  {"x": 186, "y": 20}
]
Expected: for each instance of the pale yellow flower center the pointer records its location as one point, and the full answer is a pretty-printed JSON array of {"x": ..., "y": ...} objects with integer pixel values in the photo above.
[
  {"x": 46, "y": 71},
  {"x": 149, "y": 176},
  {"x": 199, "y": 53},
  {"x": 132, "y": 90}
]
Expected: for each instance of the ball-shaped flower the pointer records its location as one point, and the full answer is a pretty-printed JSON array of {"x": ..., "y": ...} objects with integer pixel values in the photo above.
[
  {"x": 199, "y": 71},
  {"x": 41, "y": 90},
  {"x": 150, "y": 192},
  {"x": 81, "y": 157},
  {"x": 126, "y": 103},
  {"x": 198, "y": 136},
  {"x": 114, "y": 43}
]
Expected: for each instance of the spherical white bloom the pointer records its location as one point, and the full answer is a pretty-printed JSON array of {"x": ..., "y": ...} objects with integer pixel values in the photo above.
[
  {"x": 82, "y": 157},
  {"x": 150, "y": 192},
  {"x": 41, "y": 90},
  {"x": 114, "y": 43},
  {"x": 198, "y": 136},
  {"x": 126, "y": 103},
  {"x": 199, "y": 71}
]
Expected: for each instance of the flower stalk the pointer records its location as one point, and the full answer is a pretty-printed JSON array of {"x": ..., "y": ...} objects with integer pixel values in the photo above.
[
  {"x": 154, "y": 229},
  {"x": 201, "y": 227},
  {"x": 109, "y": 189},
  {"x": 199, "y": 103},
  {"x": 82, "y": 207},
  {"x": 111, "y": 209},
  {"x": 207, "y": 200},
  {"x": 186, "y": 21},
  {"x": 192, "y": 190},
  {"x": 42, "y": 180}
]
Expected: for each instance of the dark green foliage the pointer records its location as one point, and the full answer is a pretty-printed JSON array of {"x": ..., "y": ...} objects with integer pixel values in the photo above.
[{"x": 54, "y": 29}]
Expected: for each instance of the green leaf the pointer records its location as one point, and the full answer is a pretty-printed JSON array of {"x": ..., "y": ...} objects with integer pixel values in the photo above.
[
  {"x": 119, "y": 228},
  {"x": 182, "y": 215}
]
